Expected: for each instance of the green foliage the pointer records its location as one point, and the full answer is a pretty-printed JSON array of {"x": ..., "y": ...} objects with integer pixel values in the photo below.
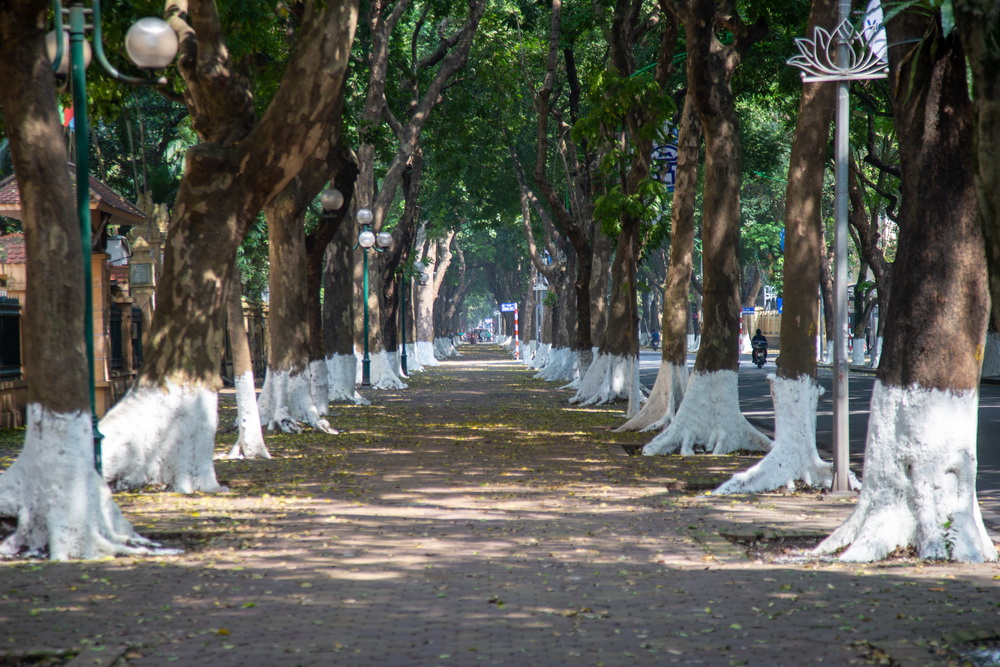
[{"x": 251, "y": 257}]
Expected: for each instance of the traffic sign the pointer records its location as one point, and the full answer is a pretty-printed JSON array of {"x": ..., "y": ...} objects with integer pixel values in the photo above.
[
  {"x": 508, "y": 307},
  {"x": 749, "y": 310}
]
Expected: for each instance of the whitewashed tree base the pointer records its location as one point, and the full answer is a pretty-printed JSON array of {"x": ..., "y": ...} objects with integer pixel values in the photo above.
[
  {"x": 250, "y": 440},
  {"x": 62, "y": 507},
  {"x": 542, "y": 357},
  {"x": 709, "y": 420},
  {"x": 162, "y": 435},
  {"x": 286, "y": 402},
  {"x": 693, "y": 342},
  {"x": 876, "y": 353},
  {"x": 793, "y": 458},
  {"x": 445, "y": 348},
  {"x": 425, "y": 353},
  {"x": 920, "y": 480},
  {"x": 342, "y": 371},
  {"x": 858, "y": 352},
  {"x": 561, "y": 366},
  {"x": 663, "y": 401},
  {"x": 608, "y": 379},
  {"x": 413, "y": 364},
  {"x": 319, "y": 378},
  {"x": 383, "y": 372}
]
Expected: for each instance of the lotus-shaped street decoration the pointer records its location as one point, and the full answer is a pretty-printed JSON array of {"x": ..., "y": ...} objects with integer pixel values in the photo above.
[{"x": 818, "y": 57}]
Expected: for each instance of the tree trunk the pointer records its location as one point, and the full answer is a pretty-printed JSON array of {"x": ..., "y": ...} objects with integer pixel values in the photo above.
[
  {"x": 672, "y": 377},
  {"x": 709, "y": 418},
  {"x": 920, "y": 466},
  {"x": 338, "y": 318},
  {"x": 163, "y": 430},
  {"x": 61, "y": 506},
  {"x": 286, "y": 399},
  {"x": 250, "y": 438},
  {"x": 795, "y": 389}
]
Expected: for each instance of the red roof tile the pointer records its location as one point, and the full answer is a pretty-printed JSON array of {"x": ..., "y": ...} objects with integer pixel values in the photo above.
[
  {"x": 12, "y": 250},
  {"x": 101, "y": 194}
]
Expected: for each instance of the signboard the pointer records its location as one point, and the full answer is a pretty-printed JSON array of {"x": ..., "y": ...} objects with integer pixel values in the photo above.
[
  {"x": 665, "y": 164},
  {"x": 508, "y": 307},
  {"x": 749, "y": 310}
]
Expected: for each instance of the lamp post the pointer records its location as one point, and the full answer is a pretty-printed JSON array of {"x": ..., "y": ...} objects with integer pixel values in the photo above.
[
  {"x": 368, "y": 240},
  {"x": 837, "y": 58},
  {"x": 150, "y": 44}
]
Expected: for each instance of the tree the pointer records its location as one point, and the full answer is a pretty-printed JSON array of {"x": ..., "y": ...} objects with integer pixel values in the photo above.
[
  {"x": 249, "y": 439},
  {"x": 441, "y": 64},
  {"x": 709, "y": 417},
  {"x": 672, "y": 376},
  {"x": 920, "y": 468},
  {"x": 794, "y": 388},
  {"x": 60, "y": 503},
  {"x": 163, "y": 430},
  {"x": 628, "y": 115}
]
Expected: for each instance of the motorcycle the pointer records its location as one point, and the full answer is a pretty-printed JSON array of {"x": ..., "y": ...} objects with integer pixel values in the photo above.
[{"x": 759, "y": 356}]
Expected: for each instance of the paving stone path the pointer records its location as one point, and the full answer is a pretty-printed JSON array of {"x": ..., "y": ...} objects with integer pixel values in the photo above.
[{"x": 477, "y": 519}]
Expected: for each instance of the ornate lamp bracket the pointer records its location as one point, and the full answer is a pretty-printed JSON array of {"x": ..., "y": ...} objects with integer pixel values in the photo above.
[{"x": 820, "y": 58}]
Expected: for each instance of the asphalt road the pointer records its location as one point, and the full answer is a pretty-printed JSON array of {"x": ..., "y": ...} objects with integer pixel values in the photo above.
[{"x": 755, "y": 402}]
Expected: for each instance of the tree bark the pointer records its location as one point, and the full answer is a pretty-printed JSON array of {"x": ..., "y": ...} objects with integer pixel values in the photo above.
[
  {"x": 163, "y": 431},
  {"x": 795, "y": 389},
  {"x": 709, "y": 418},
  {"x": 61, "y": 506},
  {"x": 250, "y": 438},
  {"x": 920, "y": 466}
]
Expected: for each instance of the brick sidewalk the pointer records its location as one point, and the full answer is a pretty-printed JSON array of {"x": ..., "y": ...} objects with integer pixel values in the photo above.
[{"x": 459, "y": 537}]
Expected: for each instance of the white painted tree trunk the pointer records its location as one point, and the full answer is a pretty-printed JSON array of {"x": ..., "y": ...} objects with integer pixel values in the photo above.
[
  {"x": 162, "y": 435},
  {"x": 342, "y": 370},
  {"x": 876, "y": 353},
  {"x": 250, "y": 441},
  {"x": 693, "y": 342},
  {"x": 444, "y": 348},
  {"x": 319, "y": 378},
  {"x": 793, "y": 457},
  {"x": 608, "y": 379},
  {"x": 561, "y": 366},
  {"x": 858, "y": 352},
  {"x": 663, "y": 401},
  {"x": 413, "y": 364},
  {"x": 542, "y": 357},
  {"x": 635, "y": 394},
  {"x": 383, "y": 372},
  {"x": 991, "y": 355},
  {"x": 286, "y": 402},
  {"x": 425, "y": 353},
  {"x": 919, "y": 480},
  {"x": 709, "y": 420},
  {"x": 62, "y": 506}
]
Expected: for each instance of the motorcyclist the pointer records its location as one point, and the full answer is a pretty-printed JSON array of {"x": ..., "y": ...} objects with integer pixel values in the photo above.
[
  {"x": 759, "y": 345},
  {"x": 654, "y": 339}
]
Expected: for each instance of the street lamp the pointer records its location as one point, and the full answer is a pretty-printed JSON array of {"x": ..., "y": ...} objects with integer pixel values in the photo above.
[
  {"x": 368, "y": 240},
  {"x": 847, "y": 55},
  {"x": 150, "y": 44}
]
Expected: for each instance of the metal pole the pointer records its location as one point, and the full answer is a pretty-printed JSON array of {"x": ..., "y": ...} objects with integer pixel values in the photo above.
[
  {"x": 77, "y": 27},
  {"x": 365, "y": 360},
  {"x": 404, "y": 285},
  {"x": 841, "y": 441},
  {"x": 517, "y": 342}
]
